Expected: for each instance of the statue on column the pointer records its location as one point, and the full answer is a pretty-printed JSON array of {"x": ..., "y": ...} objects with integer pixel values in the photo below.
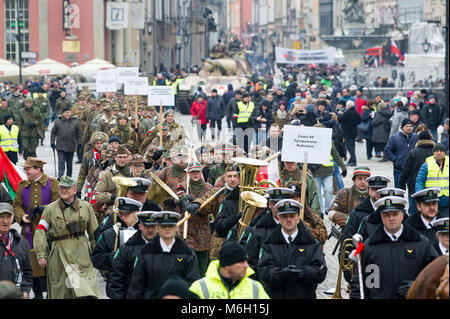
[{"x": 353, "y": 12}]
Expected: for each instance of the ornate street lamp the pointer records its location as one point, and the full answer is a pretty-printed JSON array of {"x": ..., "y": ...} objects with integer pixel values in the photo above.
[
  {"x": 178, "y": 46},
  {"x": 426, "y": 45}
]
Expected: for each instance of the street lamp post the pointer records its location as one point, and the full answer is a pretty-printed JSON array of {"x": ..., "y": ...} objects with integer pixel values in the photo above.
[{"x": 178, "y": 45}]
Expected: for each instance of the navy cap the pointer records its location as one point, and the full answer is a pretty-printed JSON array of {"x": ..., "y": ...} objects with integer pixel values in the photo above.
[
  {"x": 142, "y": 184},
  {"x": 279, "y": 193},
  {"x": 377, "y": 181},
  {"x": 391, "y": 204},
  {"x": 441, "y": 225},
  {"x": 166, "y": 218},
  {"x": 147, "y": 218},
  {"x": 288, "y": 206},
  {"x": 127, "y": 205},
  {"x": 426, "y": 195},
  {"x": 391, "y": 191}
]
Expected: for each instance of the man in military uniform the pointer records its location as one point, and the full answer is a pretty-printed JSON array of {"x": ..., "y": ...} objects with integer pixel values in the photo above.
[
  {"x": 123, "y": 131},
  {"x": 216, "y": 197},
  {"x": 176, "y": 130},
  {"x": 66, "y": 221},
  {"x": 218, "y": 50},
  {"x": 291, "y": 172},
  {"x": 234, "y": 45},
  {"x": 348, "y": 198},
  {"x": 33, "y": 193},
  {"x": 217, "y": 170},
  {"x": 91, "y": 157},
  {"x": 291, "y": 262},
  {"x": 111, "y": 239},
  {"x": 198, "y": 231},
  {"x": 137, "y": 166},
  {"x": 123, "y": 261},
  {"x": 397, "y": 249},
  {"x": 176, "y": 175},
  {"x": 441, "y": 226},
  {"x": 88, "y": 116},
  {"x": 16, "y": 100},
  {"x": 62, "y": 102},
  {"x": 164, "y": 256},
  {"x": 428, "y": 211},
  {"x": 106, "y": 188},
  {"x": 5, "y": 109},
  {"x": 266, "y": 224},
  {"x": 43, "y": 104},
  {"x": 29, "y": 121},
  {"x": 167, "y": 141},
  {"x": 78, "y": 110},
  {"x": 107, "y": 120}
]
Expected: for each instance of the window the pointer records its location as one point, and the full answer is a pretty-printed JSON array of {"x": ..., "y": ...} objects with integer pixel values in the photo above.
[{"x": 12, "y": 8}]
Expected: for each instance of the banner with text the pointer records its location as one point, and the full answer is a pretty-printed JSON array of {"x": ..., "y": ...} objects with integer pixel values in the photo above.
[
  {"x": 304, "y": 144},
  {"x": 290, "y": 56}
]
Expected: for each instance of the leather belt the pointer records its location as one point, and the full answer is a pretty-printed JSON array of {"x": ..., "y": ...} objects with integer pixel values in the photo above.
[{"x": 79, "y": 234}]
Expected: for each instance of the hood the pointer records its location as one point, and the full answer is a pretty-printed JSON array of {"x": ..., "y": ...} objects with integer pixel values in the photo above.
[{"x": 425, "y": 143}]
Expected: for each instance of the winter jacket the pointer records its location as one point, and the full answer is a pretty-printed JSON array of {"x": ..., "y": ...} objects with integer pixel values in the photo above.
[
  {"x": 29, "y": 121},
  {"x": 257, "y": 111},
  {"x": 153, "y": 267},
  {"x": 67, "y": 134},
  {"x": 431, "y": 115},
  {"x": 8, "y": 266},
  {"x": 62, "y": 103},
  {"x": 228, "y": 214},
  {"x": 356, "y": 217},
  {"x": 349, "y": 121},
  {"x": 381, "y": 126},
  {"x": 366, "y": 117},
  {"x": 421, "y": 179},
  {"x": 304, "y": 252},
  {"x": 196, "y": 108},
  {"x": 400, "y": 114},
  {"x": 215, "y": 108},
  {"x": 413, "y": 162},
  {"x": 430, "y": 233},
  {"x": 398, "y": 147},
  {"x": 410, "y": 254}
]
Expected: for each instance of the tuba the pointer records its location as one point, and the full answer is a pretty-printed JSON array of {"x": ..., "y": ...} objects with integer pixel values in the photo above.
[
  {"x": 248, "y": 168},
  {"x": 253, "y": 201},
  {"x": 345, "y": 263},
  {"x": 159, "y": 191},
  {"x": 122, "y": 185}
]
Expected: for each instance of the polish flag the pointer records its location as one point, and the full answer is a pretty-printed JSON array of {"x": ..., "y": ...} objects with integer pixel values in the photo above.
[
  {"x": 269, "y": 172},
  {"x": 395, "y": 50}
]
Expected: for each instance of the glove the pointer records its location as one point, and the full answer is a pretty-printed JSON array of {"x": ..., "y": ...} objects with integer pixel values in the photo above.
[
  {"x": 193, "y": 208},
  {"x": 53, "y": 146},
  {"x": 157, "y": 155},
  {"x": 183, "y": 203},
  {"x": 352, "y": 256},
  {"x": 296, "y": 273},
  {"x": 344, "y": 173},
  {"x": 113, "y": 198},
  {"x": 403, "y": 288},
  {"x": 31, "y": 125},
  {"x": 35, "y": 211},
  {"x": 79, "y": 194}
]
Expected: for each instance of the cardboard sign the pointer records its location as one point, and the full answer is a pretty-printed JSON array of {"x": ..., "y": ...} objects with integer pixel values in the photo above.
[
  {"x": 161, "y": 96},
  {"x": 124, "y": 73},
  {"x": 304, "y": 144},
  {"x": 136, "y": 86},
  {"x": 106, "y": 81}
]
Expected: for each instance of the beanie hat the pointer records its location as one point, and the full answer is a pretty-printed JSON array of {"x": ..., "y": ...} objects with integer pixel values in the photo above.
[
  {"x": 231, "y": 253},
  {"x": 114, "y": 139},
  {"x": 176, "y": 286},
  {"x": 406, "y": 122},
  {"x": 6, "y": 118},
  {"x": 309, "y": 108},
  {"x": 424, "y": 135}
]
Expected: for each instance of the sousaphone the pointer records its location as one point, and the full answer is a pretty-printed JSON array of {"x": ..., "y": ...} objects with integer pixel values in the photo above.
[{"x": 159, "y": 191}]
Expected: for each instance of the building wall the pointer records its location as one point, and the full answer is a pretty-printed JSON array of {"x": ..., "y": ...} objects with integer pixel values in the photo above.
[{"x": 2, "y": 30}]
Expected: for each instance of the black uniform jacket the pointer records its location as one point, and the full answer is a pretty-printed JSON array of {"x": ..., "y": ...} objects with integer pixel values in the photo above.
[
  {"x": 153, "y": 267},
  {"x": 395, "y": 261},
  {"x": 305, "y": 252}
]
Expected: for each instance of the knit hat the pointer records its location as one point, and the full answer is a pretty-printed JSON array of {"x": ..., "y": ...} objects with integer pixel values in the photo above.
[
  {"x": 406, "y": 122},
  {"x": 176, "y": 286},
  {"x": 231, "y": 253},
  {"x": 309, "y": 108},
  {"x": 114, "y": 139}
]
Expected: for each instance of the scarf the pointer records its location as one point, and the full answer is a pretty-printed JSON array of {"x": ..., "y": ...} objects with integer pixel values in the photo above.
[
  {"x": 281, "y": 114},
  {"x": 196, "y": 187},
  {"x": 176, "y": 171},
  {"x": 292, "y": 176},
  {"x": 124, "y": 170},
  {"x": 96, "y": 154}
]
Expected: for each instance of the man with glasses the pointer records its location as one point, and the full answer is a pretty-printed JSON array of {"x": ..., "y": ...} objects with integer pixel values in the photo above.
[{"x": 33, "y": 193}]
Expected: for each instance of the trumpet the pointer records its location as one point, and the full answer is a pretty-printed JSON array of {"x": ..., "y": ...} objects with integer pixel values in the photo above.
[{"x": 345, "y": 263}]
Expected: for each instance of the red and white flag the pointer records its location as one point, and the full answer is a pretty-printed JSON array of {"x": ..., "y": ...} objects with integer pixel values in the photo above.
[
  {"x": 269, "y": 172},
  {"x": 395, "y": 50}
]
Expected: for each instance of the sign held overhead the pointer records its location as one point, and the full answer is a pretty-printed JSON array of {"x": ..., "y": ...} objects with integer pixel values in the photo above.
[{"x": 161, "y": 96}]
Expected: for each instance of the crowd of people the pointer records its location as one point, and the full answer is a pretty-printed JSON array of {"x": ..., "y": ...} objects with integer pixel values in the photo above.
[{"x": 113, "y": 219}]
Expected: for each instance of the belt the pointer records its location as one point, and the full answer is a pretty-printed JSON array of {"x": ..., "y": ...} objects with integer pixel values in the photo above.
[{"x": 79, "y": 234}]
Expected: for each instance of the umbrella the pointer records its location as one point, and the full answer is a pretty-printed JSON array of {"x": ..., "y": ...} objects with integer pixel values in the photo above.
[
  {"x": 90, "y": 68},
  {"x": 8, "y": 69},
  {"x": 46, "y": 67}
]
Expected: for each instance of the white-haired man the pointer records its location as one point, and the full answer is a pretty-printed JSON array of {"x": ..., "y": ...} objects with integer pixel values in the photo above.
[{"x": 349, "y": 120}]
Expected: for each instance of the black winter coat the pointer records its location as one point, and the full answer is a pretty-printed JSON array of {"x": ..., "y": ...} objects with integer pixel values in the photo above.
[
  {"x": 431, "y": 115},
  {"x": 67, "y": 134},
  {"x": 228, "y": 215},
  {"x": 8, "y": 268},
  {"x": 215, "y": 108},
  {"x": 416, "y": 222},
  {"x": 305, "y": 252},
  {"x": 381, "y": 126},
  {"x": 356, "y": 217},
  {"x": 257, "y": 111},
  {"x": 413, "y": 162},
  {"x": 153, "y": 267},
  {"x": 259, "y": 233},
  {"x": 349, "y": 121},
  {"x": 122, "y": 267},
  {"x": 365, "y": 117},
  {"x": 396, "y": 261}
]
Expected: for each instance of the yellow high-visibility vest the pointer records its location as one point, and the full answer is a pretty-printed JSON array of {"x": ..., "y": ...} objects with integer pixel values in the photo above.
[
  {"x": 8, "y": 139},
  {"x": 436, "y": 177},
  {"x": 245, "y": 111}
]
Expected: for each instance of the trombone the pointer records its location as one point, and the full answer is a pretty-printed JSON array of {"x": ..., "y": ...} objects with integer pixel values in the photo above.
[{"x": 345, "y": 263}]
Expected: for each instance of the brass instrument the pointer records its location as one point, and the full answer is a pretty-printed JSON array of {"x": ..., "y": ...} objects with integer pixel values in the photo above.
[
  {"x": 345, "y": 263},
  {"x": 248, "y": 168},
  {"x": 159, "y": 191},
  {"x": 122, "y": 185},
  {"x": 253, "y": 201}
]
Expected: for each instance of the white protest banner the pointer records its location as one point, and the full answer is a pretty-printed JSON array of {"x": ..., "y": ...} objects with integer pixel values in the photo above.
[
  {"x": 136, "y": 86},
  {"x": 290, "y": 56},
  {"x": 161, "y": 96},
  {"x": 304, "y": 144},
  {"x": 124, "y": 73},
  {"x": 105, "y": 81}
]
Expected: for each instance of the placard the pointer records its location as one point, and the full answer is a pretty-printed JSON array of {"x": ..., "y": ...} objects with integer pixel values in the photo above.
[
  {"x": 290, "y": 56},
  {"x": 106, "y": 81},
  {"x": 304, "y": 144},
  {"x": 161, "y": 96},
  {"x": 136, "y": 86},
  {"x": 124, "y": 73}
]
